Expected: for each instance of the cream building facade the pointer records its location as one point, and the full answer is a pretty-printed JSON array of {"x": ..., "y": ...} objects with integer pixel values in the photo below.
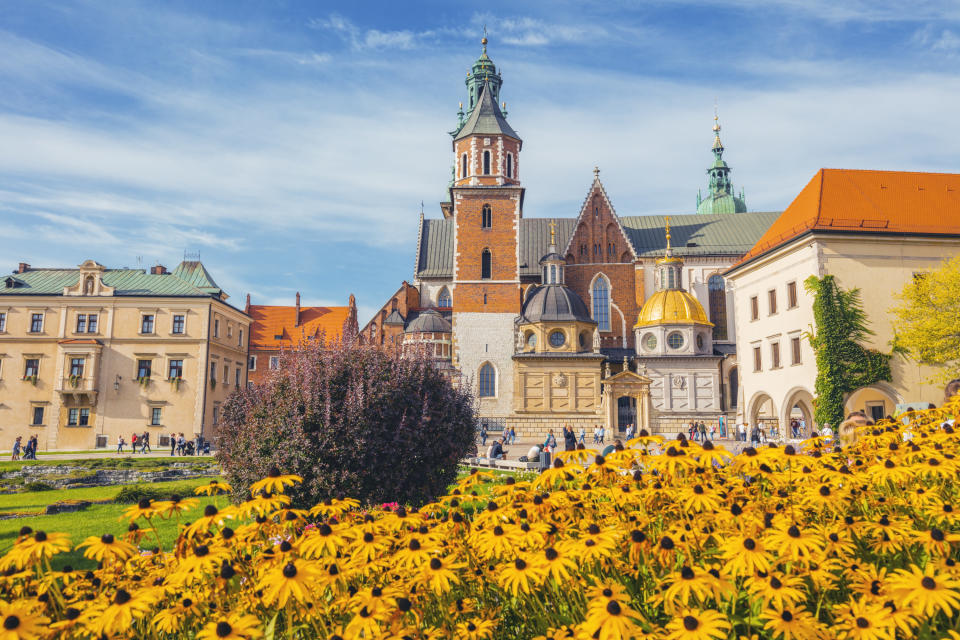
[
  {"x": 91, "y": 354},
  {"x": 872, "y": 230}
]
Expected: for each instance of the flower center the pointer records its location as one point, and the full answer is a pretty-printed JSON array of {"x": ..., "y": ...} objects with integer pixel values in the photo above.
[
  {"x": 824, "y": 491},
  {"x": 414, "y": 545},
  {"x": 520, "y": 564},
  {"x": 687, "y": 573},
  {"x": 435, "y": 564},
  {"x": 690, "y": 623},
  {"x": 122, "y": 597},
  {"x": 551, "y": 554},
  {"x": 40, "y": 536},
  {"x": 786, "y": 616},
  {"x": 368, "y": 537},
  {"x": 863, "y": 623},
  {"x": 936, "y": 534},
  {"x": 793, "y": 531},
  {"x": 11, "y": 622},
  {"x": 107, "y": 538},
  {"x": 613, "y": 608},
  {"x": 224, "y": 629},
  {"x": 290, "y": 570},
  {"x": 928, "y": 583}
]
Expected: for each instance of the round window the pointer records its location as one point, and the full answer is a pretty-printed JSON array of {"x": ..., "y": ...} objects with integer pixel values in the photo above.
[
  {"x": 650, "y": 342},
  {"x": 531, "y": 340},
  {"x": 675, "y": 340},
  {"x": 557, "y": 338},
  {"x": 699, "y": 341}
]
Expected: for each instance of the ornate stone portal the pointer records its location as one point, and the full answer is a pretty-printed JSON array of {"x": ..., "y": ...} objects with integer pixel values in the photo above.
[{"x": 635, "y": 389}]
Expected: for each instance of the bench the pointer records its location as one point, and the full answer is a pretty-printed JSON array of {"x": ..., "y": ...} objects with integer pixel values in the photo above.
[{"x": 503, "y": 464}]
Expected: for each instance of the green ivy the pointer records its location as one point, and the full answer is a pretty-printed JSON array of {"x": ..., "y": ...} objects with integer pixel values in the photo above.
[{"x": 843, "y": 364}]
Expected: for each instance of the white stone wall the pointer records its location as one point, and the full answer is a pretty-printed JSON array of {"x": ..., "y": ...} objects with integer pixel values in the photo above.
[
  {"x": 430, "y": 290},
  {"x": 696, "y": 273},
  {"x": 683, "y": 386},
  {"x": 486, "y": 337}
]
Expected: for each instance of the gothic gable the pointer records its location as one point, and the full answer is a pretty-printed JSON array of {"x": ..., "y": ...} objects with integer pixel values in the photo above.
[{"x": 598, "y": 236}]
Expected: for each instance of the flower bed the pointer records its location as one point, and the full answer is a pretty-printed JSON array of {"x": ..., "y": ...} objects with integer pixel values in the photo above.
[{"x": 690, "y": 543}]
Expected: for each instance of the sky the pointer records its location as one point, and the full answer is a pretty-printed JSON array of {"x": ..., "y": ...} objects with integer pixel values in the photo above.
[{"x": 291, "y": 144}]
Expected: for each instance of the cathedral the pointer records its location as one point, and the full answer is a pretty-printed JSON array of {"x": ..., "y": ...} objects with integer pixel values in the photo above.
[{"x": 589, "y": 319}]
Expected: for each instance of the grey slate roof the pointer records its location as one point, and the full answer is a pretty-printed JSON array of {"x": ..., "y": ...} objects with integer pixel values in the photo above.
[
  {"x": 436, "y": 249},
  {"x": 125, "y": 282},
  {"x": 486, "y": 119},
  {"x": 717, "y": 234},
  {"x": 429, "y": 321},
  {"x": 394, "y": 318}
]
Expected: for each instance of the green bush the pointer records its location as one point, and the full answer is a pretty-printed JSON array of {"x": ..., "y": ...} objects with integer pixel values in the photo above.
[
  {"x": 137, "y": 492},
  {"x": 37, "y": 485}
]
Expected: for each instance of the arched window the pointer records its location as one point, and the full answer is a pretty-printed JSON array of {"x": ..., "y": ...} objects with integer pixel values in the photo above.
[
  {"x": 463, "y": 166},
  {"x": 485, "y": 264},
  {"x": 509, "y": 165},
  {"x": 601, "y": 302},
  {"x": 487, "y": 382},
  {"x": 486, "y": 163},
  {"x": 734, "y": 387},
  {"x": 553, "y": 274},
  {"x": 718, "y": 306},
  {"x": 486, "y": 217},
  {"x": 443, "y": 300}
]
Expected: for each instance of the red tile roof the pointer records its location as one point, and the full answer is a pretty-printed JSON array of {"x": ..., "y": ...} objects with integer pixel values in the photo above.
[
  {"x": 271, "y": 321},
  {"x": 900, "y": 202}
]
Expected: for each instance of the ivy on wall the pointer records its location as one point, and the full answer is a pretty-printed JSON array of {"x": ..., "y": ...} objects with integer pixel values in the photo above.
[{"x": 843, "y": 364}]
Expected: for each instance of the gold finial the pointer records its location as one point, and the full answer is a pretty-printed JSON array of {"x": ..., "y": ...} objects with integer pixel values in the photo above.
[
  {"x": 716, "y": 118},
  {"x": 668, "y": 235},
  {"x": 483, "y": 40},
  {"x": 461, "y": 105},
  {"x": 553, "y": 232},
  {"x": 596, "y": 171}
]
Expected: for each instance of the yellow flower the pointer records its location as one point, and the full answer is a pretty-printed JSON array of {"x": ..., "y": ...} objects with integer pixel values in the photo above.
[
  {"x": 39, "y": 547},
  {"x": 925, "y": 593},
  {"x": 143, "y": 509},
  {"x": 792, "y": 543},
  {"x": 174, "y": 506},
  {"x": 745, "y": 556},
  {"x": 692, "y": 624},
  {"x": 122, "y": 610},
  {"x": 787, "y": 623},
  {"x": 474, "y": 630},
  {"x": 439, "y": 574},
  {"x": 611, "y": 620},
  {"x": 520, "y": 576},
  {"x": 215, "y": 487},
  {"x": 296, "y": 579},
  {"x": 275, "y": 482},
  {"x": 106, "y": 548},
  {"x": 236, "y": 626},
  {"x": 19, "y": 622}
]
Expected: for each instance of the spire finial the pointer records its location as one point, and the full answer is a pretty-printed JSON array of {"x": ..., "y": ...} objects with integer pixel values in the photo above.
[
  {"x": 668, "y": 236},
  {"x": 553, "y": 232},
  {"x": 483, "y": 40},
  {"x": 596, "y": 171}
]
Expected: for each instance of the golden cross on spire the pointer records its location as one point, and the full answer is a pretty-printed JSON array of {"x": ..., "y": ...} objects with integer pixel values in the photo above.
[
  {"x": 668, "y": 235},
  {"x": 553, "y": 232}
]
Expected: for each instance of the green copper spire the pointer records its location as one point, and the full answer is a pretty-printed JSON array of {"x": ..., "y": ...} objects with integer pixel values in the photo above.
[
  {"x": 482, "y": 74},
  {"x": 720, "y": 197}
]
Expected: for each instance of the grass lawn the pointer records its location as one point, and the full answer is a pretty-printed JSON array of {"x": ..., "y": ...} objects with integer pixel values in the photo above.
[
  {"x": 97, "y": 520},
  {"x": 124, "y": 462}
]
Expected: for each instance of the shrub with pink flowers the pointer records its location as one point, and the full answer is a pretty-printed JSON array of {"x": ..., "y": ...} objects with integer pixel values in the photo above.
[{"x": 352, "y": 420}]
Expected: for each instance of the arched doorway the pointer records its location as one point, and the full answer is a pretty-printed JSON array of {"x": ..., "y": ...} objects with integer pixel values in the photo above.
[
  {"x": 763, "y": 412},
  {"x": 733, "y": 388},
  {"x": 798, "y": 406},
  {"x": 626, "y": 412},
  {"x": 876, "y": 401}
]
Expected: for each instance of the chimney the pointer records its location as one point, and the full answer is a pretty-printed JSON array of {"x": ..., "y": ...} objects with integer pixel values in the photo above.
[
  {"x": 158, "y": 270},
  {"x": 298, "y": 310},
  {"x": 23, "y": 267},
  {"x": 246, "y": 309}
]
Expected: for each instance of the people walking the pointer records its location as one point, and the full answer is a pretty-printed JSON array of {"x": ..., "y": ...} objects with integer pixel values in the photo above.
[
  {"x": 145, "y": 442},
  {"x": 582, "y": 437},
  {"x": 550, "y": 444},
  {"x": 483, "y": 435},
  {"x": 133, "y": 442},
  {"x": 173, "y": 444},
  {"x": 16, "y": 448},
  {"x": 120, "y": 443}
]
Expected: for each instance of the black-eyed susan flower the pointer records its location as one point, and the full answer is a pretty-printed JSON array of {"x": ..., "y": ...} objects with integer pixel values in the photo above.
[
  {"x": 294, "y": 580},
  {"x": 18, "y": 621},
  {"x": 106, "y": 548},
  {"x": 693, "y": 624},
  {"x": 236, "y": 626},
  {"x": 275, "y": 482},
  {"x": 476, "y": 629},
  {"x": 924, "y": 592},
  {"x": 611, "y": 620},
  {"x": 213, "y": 488},
  {"x": 520, "y": 576}
]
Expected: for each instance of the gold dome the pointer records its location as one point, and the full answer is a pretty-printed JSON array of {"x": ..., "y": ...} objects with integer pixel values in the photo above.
[{"x": 672, "y": 306}]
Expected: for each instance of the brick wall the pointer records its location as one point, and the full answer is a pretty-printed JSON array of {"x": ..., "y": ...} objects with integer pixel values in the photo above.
[
  {"x": 623, "y": 296},
  {"x": 499, "y": 147}
]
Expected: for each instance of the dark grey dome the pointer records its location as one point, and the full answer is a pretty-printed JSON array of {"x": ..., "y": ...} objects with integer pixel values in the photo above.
[
  {"x": 429, "y": 321},
  {"x": 552, "y": 257},
  {"x": 552, "y": 303}
]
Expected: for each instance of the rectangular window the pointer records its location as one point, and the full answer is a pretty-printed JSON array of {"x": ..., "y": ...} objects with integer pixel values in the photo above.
[
  {"x": 76, "y": 367},
  {"x": 772, "y": 298},
  {"x": 213, "y": 372},
  {"x": 775, "y": 354},
  {"x": 216, "y": 415},
  {"x": 795, "y": 350},
  {"x": 237, "y": 377},
  {"x": 156, "y": 413},
  {"x": 146, "y": 324},
  {"x": 754, "y": 308},
  {"x": 791, "y": 295},
  {"x": 178, "y": 324},
  {"x": 176, "y": 369},
  {"x": 84, "y": 417},
  {"x": 73, "y": 417},
  {"x": 757, "y": 359},
  {"x": 216, "y": 328},
  {"x": 92, "y": 323},
  {"x": 143, "y": 369},
  {"x": 38, "y": 415},
  {"x": 252, "y": 363},
  {"x": 274, "y": 362},
  {"x": 32, "y": 368},
  {"x": 36, "y": 323},
  {"x": 3, "y": 321},
  {"x": 240, "y": 338},
  {"x": 229, "y": 330},
  {"x": 81, "y": 323},
  {"x": 226, "y": 374}
]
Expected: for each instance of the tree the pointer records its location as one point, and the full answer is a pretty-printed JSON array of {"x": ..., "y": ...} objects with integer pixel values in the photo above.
[
  {"x": 843, "y": 364},
  {"x": 927, "y": 322},
  {"x": 354, "y": 420}
]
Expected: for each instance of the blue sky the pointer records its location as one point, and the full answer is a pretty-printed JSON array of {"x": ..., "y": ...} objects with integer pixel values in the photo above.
[{"x": 291, "y": 143}]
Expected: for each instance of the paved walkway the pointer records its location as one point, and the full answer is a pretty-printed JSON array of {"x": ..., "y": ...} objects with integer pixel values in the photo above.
[{"x": 101, "y": 454}]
